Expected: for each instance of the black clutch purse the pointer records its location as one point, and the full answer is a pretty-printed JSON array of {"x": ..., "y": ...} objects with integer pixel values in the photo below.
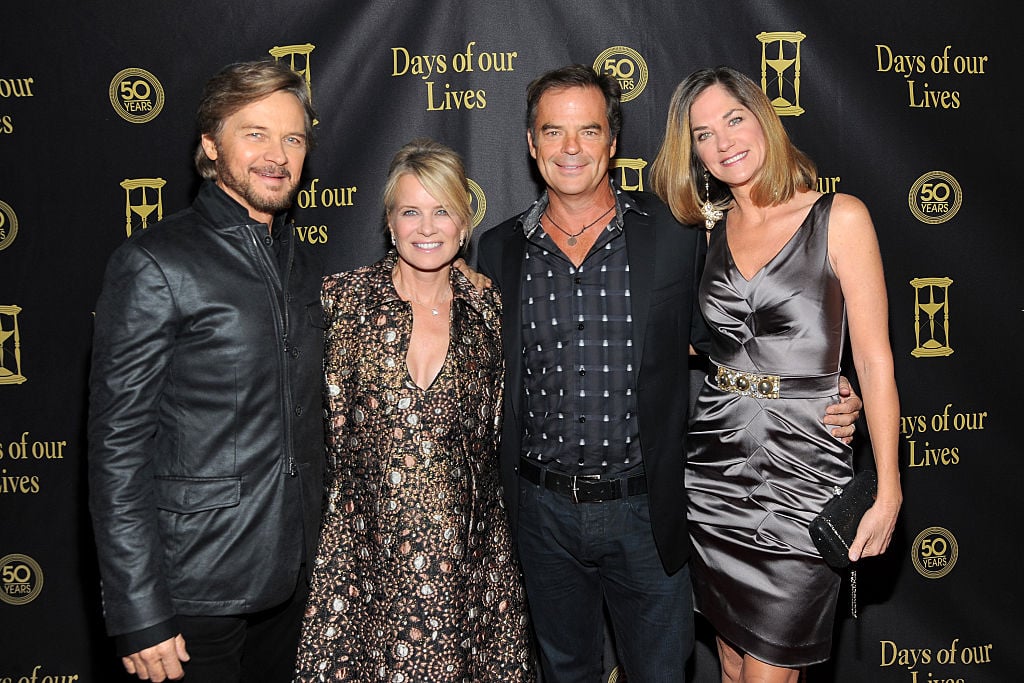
[{"x": 834, "y": 529}]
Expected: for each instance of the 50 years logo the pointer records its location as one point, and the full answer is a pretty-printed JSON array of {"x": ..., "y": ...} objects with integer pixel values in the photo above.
[
  {"x": 478, "y": 200},
  {"x": 935, "y": 197},
  {"x": 934, "y": 552},
  {"x": 8, "y": 225},
  {"x": 136, "y": 95},
  {"x": 21, "y": 579},
  {"x": 625, "y": 65}
]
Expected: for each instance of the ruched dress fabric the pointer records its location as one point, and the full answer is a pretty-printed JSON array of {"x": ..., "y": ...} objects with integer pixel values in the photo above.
[
  {"x": 415, "y": 578},
  {"x": 759, "y": 469}
]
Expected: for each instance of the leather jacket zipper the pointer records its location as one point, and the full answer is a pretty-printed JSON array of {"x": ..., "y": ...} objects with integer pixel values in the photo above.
[{"x": 280, "y": 289}]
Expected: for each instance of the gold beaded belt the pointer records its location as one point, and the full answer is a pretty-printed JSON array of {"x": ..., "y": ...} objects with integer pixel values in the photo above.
[
  {"x": 747, "y": 383},
  {"x": 759, "y": 385}
]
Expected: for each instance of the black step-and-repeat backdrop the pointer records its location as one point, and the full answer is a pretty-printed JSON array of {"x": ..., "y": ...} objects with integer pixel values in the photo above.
[{"x": 910, "y": 105}]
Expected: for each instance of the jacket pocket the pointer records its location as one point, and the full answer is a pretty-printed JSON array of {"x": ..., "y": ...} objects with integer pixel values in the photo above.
[{"x": 190, "y": 494}]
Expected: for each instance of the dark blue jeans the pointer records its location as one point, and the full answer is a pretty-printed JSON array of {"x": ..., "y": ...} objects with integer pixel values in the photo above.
[{"x": 577, "y": 558}]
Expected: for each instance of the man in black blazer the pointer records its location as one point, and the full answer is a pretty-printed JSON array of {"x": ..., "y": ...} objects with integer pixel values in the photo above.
[{"x": 599, "y": 289}]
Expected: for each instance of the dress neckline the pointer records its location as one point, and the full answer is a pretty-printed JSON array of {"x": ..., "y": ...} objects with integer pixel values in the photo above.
[
  {"x": 440, "y": 370},
  {"x": 784, "y": 248}
]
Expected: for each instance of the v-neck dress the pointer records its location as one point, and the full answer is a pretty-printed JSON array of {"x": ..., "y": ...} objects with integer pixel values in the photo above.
[
  {"x": 760, "y": 467},
  {"x": 415, "y": 576}
]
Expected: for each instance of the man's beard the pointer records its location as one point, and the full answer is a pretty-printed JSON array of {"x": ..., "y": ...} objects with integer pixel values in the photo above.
[{"x": 272, "y": 204}]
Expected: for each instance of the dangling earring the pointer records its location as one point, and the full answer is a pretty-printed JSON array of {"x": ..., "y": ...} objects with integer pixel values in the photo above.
[
  {"x": 710, "y": 213},
  {"x": 393, "y": 242},
  {"x": 462, "y": 240}
]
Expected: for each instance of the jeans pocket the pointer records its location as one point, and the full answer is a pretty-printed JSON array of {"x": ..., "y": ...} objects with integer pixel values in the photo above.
[
  {"x": 528, "y": 496},
  {"x": 639, "y": 505}
]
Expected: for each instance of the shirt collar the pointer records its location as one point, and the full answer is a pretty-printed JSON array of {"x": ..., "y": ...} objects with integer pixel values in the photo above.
[{"x": 529, "y": 221}]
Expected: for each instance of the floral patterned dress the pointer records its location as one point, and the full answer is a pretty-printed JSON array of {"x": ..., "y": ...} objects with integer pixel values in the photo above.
[{"x": 415, "y": 578}]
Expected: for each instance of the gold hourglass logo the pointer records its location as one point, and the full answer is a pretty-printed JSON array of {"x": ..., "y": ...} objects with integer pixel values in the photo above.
[
  {"x": 783, "y": 91},
  {"x": 625, "y": 165},
  {"x": 931, "y": 331},
  {"x": 291, "y": 52},
  {"x": 142, "y": 203},
  {"x": 10, "y": 346}
]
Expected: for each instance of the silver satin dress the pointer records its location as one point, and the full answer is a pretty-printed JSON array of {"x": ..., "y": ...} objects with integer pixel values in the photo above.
[{"x": 759, "y": 469}]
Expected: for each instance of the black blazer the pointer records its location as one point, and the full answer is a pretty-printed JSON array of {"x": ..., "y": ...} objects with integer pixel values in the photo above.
[{"x": 665, "y": 264}]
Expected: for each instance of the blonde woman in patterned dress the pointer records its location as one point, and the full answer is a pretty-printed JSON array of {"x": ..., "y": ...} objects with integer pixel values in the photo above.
[{"x": 415, "y": 578}]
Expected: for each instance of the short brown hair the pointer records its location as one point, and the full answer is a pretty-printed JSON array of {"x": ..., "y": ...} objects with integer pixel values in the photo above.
[
  {"x": 677, "y": 172},
  {"x": 577, "y": 76},
  {"x": 238, "y": 85}
]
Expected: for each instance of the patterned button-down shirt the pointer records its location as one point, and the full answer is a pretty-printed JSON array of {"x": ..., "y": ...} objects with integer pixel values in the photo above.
[{"x": 580, "y": 410}]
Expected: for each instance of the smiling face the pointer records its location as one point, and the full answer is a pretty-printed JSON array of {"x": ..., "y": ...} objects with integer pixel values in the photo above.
[
  {"x": 426, "y": 234},
  {"x": 727, "y": 137},
  {"x": 259, "y": 152},
  {"x": 571, "y": 142}
]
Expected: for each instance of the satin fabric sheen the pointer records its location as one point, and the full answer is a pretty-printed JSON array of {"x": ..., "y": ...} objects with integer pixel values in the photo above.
[{"x": 758, "y": 470}]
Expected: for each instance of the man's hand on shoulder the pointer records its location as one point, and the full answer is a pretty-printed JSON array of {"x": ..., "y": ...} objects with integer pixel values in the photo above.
[
  {"x": 160, "y": 662},
  {"x": 478, "y": 280}
]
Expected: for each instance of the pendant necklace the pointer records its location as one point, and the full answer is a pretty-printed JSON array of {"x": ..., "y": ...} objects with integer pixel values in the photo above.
[
  {"x": 434, "y": 310},
  {"x": 572, "y": 237}
]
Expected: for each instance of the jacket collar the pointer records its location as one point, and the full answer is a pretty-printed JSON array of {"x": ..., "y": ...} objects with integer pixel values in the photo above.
[{"x": 223, "y": 211}]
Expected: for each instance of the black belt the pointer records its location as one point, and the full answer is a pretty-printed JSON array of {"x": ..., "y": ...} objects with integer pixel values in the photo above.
[{"x": 582, "y": 488}]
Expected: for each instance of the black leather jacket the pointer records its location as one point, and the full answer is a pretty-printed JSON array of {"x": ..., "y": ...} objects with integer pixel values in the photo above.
[{"x": 205, "y": 422}]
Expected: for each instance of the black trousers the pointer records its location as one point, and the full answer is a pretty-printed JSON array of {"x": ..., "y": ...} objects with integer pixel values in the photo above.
[{"x": 246, "y": 647}]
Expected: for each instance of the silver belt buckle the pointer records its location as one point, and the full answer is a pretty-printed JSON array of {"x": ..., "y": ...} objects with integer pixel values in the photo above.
[{"x": 575, "y": 489}]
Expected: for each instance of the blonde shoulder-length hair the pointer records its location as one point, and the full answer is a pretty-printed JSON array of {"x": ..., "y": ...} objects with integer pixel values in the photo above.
[
  {"x": 442, "y": 173},
  {"x": 677, "y": 174}
]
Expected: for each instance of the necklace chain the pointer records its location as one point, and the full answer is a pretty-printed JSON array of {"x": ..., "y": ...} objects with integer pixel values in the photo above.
[
  {"x": 572, "y": 236},
  {"x": 434, "y": 310}
]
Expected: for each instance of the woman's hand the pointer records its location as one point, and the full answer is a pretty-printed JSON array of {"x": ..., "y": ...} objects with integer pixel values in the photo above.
[{"x": 876, "y": 528}]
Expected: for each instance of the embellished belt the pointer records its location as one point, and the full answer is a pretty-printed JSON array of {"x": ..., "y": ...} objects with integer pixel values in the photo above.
[
  {"x": 582, "y": 488},
  {"x": 765, "y": 386}
]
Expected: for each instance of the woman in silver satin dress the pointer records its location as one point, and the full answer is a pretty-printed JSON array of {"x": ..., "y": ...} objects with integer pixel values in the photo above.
[{"x": 788, "y": 269}]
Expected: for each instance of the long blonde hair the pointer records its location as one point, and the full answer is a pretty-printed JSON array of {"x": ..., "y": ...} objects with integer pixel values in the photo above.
[{"x": 677, "y": 174}]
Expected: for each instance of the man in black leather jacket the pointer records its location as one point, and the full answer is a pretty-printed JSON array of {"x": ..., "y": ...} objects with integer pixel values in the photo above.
[{"x": 205, "y": 423}]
